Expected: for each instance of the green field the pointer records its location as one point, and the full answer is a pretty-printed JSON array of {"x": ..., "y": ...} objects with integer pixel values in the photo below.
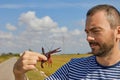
[
  {"x": 7, "y": 56},
  {"x": 58, "y": 61}
]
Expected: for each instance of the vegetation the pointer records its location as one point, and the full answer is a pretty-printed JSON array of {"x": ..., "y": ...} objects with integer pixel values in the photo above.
[
  {"x": 58, "y": 61},
  {"x": 5, "y": 56}
]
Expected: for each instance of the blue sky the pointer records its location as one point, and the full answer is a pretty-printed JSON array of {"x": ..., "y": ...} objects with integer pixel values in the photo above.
[{"x": 31, "y": 24}]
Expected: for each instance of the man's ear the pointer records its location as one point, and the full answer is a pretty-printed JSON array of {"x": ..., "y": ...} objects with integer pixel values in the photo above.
[{"x": 118, "y": 32}]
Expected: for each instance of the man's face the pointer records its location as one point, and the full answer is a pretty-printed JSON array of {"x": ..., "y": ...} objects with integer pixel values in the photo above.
[{"x": 100, "y": 36}]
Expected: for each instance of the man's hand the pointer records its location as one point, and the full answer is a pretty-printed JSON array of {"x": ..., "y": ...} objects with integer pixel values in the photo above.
[{"x": 26, "y": 62}]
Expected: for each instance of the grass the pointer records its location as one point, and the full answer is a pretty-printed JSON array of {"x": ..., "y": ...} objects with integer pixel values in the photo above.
[
  {"x": 5, "y": 57},
  {"x": 58, "y": 61}
]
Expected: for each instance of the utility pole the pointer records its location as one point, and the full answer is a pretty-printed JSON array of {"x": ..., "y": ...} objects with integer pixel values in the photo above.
[{"x": 63, "y": 43}]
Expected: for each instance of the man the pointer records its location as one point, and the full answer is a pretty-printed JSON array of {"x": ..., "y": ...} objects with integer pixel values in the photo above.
[{"x": 103, "y": 35}]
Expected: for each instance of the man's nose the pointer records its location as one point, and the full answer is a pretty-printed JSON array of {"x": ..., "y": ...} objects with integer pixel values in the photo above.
[{"x": 90, "y": 38}]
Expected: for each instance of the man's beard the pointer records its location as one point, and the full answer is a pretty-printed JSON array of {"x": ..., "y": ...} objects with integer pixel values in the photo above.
[{"x": 104, "y": 49}]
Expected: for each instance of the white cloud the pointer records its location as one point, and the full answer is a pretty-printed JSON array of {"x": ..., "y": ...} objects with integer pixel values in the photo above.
[
  {"x": 16, "y": 6},
  {"x": 5, "y": 35},
  {"x": 10, "y": 6},
  {"x": 40, "y": 32},
  {"x": 76, "y": 32},
  {"x": 30, "y": 19},
  {"x": 10, "y": 27},
  {"x": 59, "y": 30},
  {"x": 43, "y": 5},
  {"x": 56, "y": 4}
]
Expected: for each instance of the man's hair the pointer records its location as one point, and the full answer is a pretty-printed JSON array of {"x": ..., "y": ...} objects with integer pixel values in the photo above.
[{"x": 111, "y": 13}]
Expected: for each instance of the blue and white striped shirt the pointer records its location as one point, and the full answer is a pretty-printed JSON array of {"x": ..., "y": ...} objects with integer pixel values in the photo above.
[{"x": 86, "y": 69}]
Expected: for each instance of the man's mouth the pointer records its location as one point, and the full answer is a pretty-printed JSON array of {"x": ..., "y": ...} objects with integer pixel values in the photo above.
[{"x": 93, "y": 44}]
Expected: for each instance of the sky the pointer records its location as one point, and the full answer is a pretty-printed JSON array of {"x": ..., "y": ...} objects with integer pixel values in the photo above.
[{"x": 33, "y": 24}]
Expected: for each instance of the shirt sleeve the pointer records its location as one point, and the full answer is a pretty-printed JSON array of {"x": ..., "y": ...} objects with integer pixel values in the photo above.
[{"x": 60, "y": 74}]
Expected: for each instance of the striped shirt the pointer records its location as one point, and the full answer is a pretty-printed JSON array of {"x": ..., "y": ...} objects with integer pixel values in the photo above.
[{"x": 86, "y": 69}]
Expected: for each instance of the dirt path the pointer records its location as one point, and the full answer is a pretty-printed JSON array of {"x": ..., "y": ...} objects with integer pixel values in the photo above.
[{"x": 6, "y": 69}]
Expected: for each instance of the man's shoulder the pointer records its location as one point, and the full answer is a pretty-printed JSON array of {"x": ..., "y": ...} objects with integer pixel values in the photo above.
[{"x": 83, "y": 59}]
